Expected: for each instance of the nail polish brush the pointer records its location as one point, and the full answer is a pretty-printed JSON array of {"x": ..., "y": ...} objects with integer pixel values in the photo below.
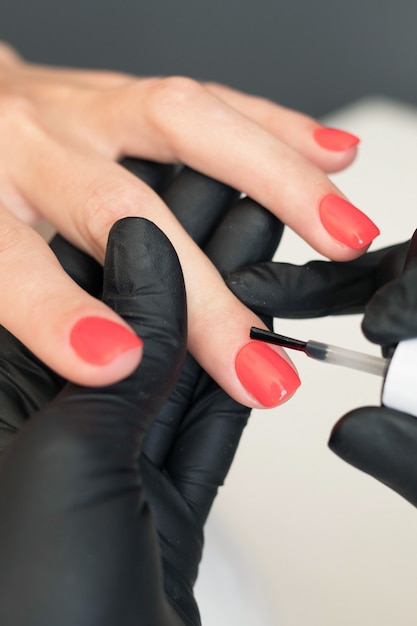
[
  {"x": 399, "y": 389},
  {"x": 325, "y": 352}
]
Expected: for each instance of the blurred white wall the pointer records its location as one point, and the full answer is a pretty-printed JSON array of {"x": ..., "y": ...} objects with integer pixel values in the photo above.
[{"x": 295, "y": 530}]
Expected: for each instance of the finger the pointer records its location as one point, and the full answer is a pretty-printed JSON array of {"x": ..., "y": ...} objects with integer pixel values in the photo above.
[
  {"x": 199, "y": 203},
  {"x": 105, "y": 193},
  {"x": 58, "y": 326},
  {"x": 329, "y": 148},
  {"x": 382, "y": 443},
  {"x": 151, "y": 300},
  {"x": 205, "y": 445},
  {"x": 211, "y": 429},
  {"x": 317, "y": 288},
  {"x": 81, "y": 267},
  {"x": 156, "y": 175},
  {"x": 391, "y": 316},
  {"x": 160, "y": 119},
  {"x": 26, "y": 383},
  {"x": 248, "y": 233}
]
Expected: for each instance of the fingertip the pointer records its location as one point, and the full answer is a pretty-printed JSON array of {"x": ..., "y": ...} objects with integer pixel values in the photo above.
[
  {"x": 253, "y": 373},
  {"x": 331, "y": 149},
  {"x": 334, "y": 139},
  {"x": 99, "y": 351},
  {"x": 119, "y": 368},
  {"x": 347, "y": 224},
  {"x": 98, "y": 340},
  {"x": 93, "y": 349},
  {"x": 269, "y": 378}
]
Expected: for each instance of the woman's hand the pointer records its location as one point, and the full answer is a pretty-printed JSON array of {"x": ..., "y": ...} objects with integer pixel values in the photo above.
[
  {"x": 74, "y": 514},
  {"x": 63, "y": 132}
]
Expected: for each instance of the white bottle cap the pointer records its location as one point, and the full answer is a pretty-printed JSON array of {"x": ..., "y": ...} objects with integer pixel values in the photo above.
[{"x": 400, "y": 385}]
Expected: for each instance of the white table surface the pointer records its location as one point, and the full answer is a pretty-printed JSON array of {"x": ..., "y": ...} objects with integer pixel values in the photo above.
[{"x": 297, "y": 537}]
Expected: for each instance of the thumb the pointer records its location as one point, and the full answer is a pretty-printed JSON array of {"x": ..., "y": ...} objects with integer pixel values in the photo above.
[
  {"x": 143, "y": 283},
  {"x": 391, "y": 314},
  {"x": 382, "y": 443}
]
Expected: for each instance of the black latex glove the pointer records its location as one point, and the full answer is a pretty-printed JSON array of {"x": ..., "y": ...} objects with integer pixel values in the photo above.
[
  {"x": 77, "y": 539},
  {"x": 317, "y": 288},
  {"x": 379, "y": 441}
]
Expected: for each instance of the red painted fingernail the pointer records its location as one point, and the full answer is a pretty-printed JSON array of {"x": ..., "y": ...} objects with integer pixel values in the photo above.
[
  {"x": 335, "y": 139},
  {"x": 99, "y": 341},
  {"x": 346, "y": 223},
  {"x": 268, "y": 377}
]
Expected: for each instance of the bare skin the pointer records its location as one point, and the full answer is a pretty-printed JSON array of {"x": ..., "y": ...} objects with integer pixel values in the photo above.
[{"x": 63, "y": 132}]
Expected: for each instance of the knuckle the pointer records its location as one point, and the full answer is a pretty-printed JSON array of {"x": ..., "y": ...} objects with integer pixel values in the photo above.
[
  {"x": 168, "y": 94},
  {"x": 15, "y": 113},
  {"x": 169, "y": 100}
]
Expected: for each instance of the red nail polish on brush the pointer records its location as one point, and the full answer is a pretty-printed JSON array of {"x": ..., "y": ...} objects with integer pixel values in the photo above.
[
  {"x": 334, "y": 139},
  {"x": 98, "y": 341}
]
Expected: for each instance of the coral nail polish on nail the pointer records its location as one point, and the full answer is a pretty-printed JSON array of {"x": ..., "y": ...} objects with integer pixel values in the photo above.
[
  {"x": 98, "y": 340},
  {"x": 335, "y": 139},
  {"x": 345, "y": 223},
  {"x": 268, "y": 377}
]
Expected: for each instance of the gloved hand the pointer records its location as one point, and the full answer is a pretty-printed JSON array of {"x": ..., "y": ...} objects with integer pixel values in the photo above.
[
  {"x": 380, "y": 441},
  {"x": 77, "y": 540},
  {"x": 79, "y": 543}
]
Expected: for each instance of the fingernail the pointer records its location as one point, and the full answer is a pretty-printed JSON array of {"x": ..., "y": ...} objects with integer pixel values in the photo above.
[
  {"x": 268, "y": 377},
  {"x": 346, "y": 223},
  {"x": 99, "y": 341},
  {"x": 335, "y": 139}
]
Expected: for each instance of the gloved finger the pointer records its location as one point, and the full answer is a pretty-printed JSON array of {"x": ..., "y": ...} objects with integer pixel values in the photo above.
[
  {"x": 383, "y": 443},
  {"x": 143, "y": 283},
  {"x": 198, "y": 202},
  {"x": 205, "y": 446},
  {"x": 247, "y": 234},
  {"x": 181, "y": 494},
  {"x": 391, "y": 314},
  {"x": 317, "y": 288},
  {"x": 155, "y": 175},
  {"x": 81, "y": 267},
  {"x": 26, "y": 385}
]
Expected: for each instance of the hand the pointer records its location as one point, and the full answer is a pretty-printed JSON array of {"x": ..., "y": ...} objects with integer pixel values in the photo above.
[
  {"x": 74, "y": 520},
  {"x": 74, "y": 515},
  {"x": 63, "y": 132},
  {"x": 380, "y": 441}
]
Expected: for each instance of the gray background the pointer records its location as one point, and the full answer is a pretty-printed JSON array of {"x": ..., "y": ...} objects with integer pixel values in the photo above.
[{"x": 311, "y": 55}]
